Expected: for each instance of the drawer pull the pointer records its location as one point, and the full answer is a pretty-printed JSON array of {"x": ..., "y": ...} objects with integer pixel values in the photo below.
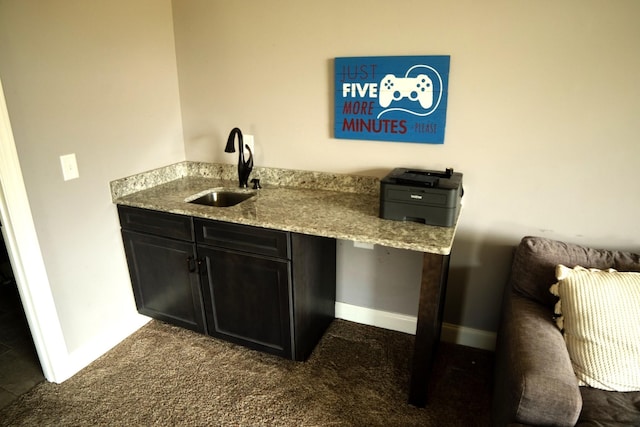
[{"x": 191, "y": 264}]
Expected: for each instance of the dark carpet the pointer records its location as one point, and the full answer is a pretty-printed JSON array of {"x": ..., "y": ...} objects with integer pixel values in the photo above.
[{"x": 357, "y": 376}]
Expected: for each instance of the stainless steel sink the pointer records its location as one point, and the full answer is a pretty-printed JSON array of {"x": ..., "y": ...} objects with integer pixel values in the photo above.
[{"x": 222, "y": 198}]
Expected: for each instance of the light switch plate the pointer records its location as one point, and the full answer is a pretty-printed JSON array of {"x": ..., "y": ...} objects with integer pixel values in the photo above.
[{"x": 69, "y": 167}]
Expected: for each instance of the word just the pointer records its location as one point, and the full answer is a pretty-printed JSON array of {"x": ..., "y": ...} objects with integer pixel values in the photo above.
[{"x": 358, "y": 72}]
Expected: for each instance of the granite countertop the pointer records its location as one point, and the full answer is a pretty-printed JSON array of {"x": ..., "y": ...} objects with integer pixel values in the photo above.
[{"x": 319, "y": 204}]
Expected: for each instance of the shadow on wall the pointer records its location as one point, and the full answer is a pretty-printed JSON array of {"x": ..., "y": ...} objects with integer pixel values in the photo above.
[
  {"x": 388, "y": 279},
  {"x": 380, "y": 278},
  {"x": 479, "y": 270}
]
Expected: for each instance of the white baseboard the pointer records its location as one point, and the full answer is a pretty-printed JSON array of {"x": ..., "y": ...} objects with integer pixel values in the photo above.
[
  {"x": 381, "y": 319},
  {"x": 403, "y": 323},
  {"x": 82, "y": 357},
  {"x": 470, "y": 337}
]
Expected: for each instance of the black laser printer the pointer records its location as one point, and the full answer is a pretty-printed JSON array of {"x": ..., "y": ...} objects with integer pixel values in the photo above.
[{"x": 426, "y": 196}]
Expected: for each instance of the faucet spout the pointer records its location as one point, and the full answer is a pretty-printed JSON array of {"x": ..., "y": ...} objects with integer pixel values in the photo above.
[{"x": 244, "y": 166}]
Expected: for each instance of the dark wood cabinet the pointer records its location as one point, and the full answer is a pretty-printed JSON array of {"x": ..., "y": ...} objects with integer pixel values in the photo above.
[
  {"x": 269, "y": 290},
  {"x": 162, "y": 267},
  {"x": 247, "y": 299}
]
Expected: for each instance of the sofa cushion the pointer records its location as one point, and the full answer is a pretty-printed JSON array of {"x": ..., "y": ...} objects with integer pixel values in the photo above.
[
  {"x": 599, "y": 315},
  {"x": 609, "y": 408},
  {"x": 536, "y": 258},
  {"x": 525, "y": 389}
]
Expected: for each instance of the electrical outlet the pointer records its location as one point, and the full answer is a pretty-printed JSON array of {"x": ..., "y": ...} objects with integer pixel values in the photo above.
[
  {"x": 249, "y": 141},
  {"x": 69, "y": 167}
]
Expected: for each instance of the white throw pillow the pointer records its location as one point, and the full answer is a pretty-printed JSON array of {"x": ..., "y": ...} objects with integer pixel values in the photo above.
[{"x": 599, "y": 314}]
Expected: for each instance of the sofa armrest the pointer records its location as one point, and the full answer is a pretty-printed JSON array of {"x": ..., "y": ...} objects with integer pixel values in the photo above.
[{"x": 534, "y": 380}]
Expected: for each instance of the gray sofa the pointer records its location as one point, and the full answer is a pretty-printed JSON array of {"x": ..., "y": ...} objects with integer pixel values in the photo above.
[{"x": 534, "y": 383}]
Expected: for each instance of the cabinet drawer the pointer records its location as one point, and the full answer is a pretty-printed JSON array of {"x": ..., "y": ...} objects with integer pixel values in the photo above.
[
  {"x": 157, "y": 223},
  {"x": 255, "y": 240}
]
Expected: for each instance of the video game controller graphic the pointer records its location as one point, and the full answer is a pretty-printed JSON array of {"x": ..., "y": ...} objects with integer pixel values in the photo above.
[{"x": 419, "y": 88}]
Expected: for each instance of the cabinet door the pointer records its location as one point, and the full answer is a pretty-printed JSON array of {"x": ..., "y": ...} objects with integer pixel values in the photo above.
[
  {"x": 247, "y": 299},
  {"x": 164, "y": 281}
]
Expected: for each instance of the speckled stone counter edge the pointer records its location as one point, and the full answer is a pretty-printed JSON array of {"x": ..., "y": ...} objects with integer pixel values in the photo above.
[
  {"x": 268, "y": 176},
  {"x": 323, "y": 204}
]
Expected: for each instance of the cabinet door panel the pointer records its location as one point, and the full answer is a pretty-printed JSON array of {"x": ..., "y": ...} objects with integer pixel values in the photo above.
[
  {"x": 163, "y": 286},
  {"x": 247, "y": 299}
]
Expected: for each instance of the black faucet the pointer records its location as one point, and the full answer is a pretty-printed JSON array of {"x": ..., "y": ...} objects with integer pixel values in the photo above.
[{"x": 244, "y": 167}]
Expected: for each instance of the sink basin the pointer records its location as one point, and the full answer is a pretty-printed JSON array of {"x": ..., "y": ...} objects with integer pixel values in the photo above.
[{"x": 222, "y": 199}]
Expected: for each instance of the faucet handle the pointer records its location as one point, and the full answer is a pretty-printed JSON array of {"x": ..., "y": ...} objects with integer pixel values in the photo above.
[{"x": 256, "y": 184}]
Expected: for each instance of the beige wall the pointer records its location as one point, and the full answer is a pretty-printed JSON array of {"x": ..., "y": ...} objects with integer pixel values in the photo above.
[
  {"x": 97, "y": 79},
  {"x": 542, "y": 121},
  {"x": 542, "y": 117}
]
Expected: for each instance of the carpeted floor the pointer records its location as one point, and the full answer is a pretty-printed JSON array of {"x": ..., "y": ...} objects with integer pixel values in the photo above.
[{"x": 357, "y": 376}]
